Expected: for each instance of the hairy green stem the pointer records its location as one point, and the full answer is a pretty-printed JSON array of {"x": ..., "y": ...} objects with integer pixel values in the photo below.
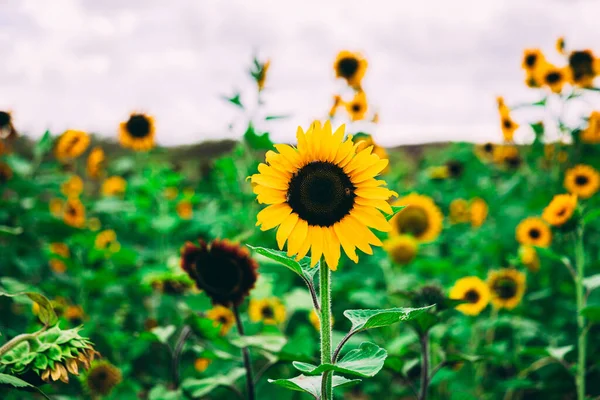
[
  {"x": 581, "y": 330},
  {"x": 325, "y": 294},
  {"x": 18, "y": 339},
  {"x": 245, "y": 356}
]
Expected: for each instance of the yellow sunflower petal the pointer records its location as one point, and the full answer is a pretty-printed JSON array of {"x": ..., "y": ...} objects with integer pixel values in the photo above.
[
  {"x": 317, "y": 244},
  {"x": 332, "y": 249},
  {"x": 272, "y": 216},
  {"x": 346, "y": 243},
  {"x": 297, "y": 237},
  {"x": 286, "y": 227}
]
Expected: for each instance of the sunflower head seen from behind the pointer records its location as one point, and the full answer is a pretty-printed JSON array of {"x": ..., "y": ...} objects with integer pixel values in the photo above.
[
  {"x": 350, "y": 66},
  {"x": 137, "y": 133},
  {"x": 322, "y": 195}
]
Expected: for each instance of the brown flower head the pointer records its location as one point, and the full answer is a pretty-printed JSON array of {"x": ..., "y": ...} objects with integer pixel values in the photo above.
[
  {"x": 102, "y": 378},
  {"x": 224, "y": 270},
  {"x": 7, "y": 130}
]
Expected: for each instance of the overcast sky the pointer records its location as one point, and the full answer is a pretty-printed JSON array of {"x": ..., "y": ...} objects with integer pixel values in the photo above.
[{"x": 435, "y": 66}]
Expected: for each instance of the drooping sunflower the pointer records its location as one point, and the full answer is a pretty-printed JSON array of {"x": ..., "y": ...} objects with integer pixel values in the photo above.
[
  {"x": 74, "y": 213},
  {"x": 402, "y": 249},
  {"x": 529, "y": 258},
  {"x": 591, "y": 134},
  {"x": 95, "y": 162},
  {"x": 315, "y": 320},
  {"x": 357, "y": 107},
  {"x": 72, "y": 187},
  {"x": 102, "y": 378},
  {"x": 560, "y": 210},
  {"x": 581, "y": 63},
  {"x": 107, "y": 241},
  {"x": 507, "y": 287},
  {"x": 323, "y": 194},
  {"x": 474, "y": 291},
  {"x": 71, "y": 145},
  {"x": 582, "y": 180},
  {"x": 224, "y": 270},
  {"x": 184, "y": 209},
  {"x": 6, "y": 173},
  {"x": 114, "y": 186},
  {"x": 554, "y": 77},
  {"x": 270, "y": 311},
  {"x": 223, "y": 317},
  {"x": 364, "y": 140},
  {"x": 137, "y": 133},
  {"x": 351, "y": 67},
  {"x": 421, "y": 218},
  {"x": 533, "y": 231},
  {"x": 337, "y": 102},
  {"x": 7, "y": 130},
  {"x": 201, "y": 364},
  {"x": 459, "y": 211},
  {"x": 478, "y": 211}
]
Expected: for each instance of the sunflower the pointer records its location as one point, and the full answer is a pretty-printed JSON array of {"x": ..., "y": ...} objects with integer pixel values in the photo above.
[
  {"x": 532, "y": 60},
  {"x": 560, "y": 209},
  {"x": 107, "y": 240},
  {"x": 185, "y": 209},
  {"x": 582, "y": 180},
  {"x": 94, "y": 224},
  {"x": 269, "y": 311},
  {"x": 554, "y": 78},
  {"x": 322, "y": 195},
  {"x": 74, "y": 213},
  {"x": 455, "y": 168},
  {"x": 72, "y": 187},
  {"x": 74, "y": 314},
  {"x": 62, "y": 251},
  {"x": 438, "y": 173},
  {"x": 364, "y": 140},
  {"x": 95, "y": 162},
  {"x": 6, "y": 173},
  {"x": 402, "y": 249},
  {"x": 113, "y": 186},
  {"x": 533, "y": 231},
  {"x": 261, "y": 75},
  {"x": 58, "y": 266},
  {"x": 102, "y": 378},
  {"x": 351, "y": 67},
  {"x": 560, "y": 45},
  {"x": 315, "y": 320},
  {"x": 581, "y": 64},
  {"x": 591, "y": 134},
  {"x": 56, "y": 207},
  {"x": 357, "y": 107},
  {"x": 337, "y": 102},
  {"x": 7, "y": 130},
  {"x": 474, "y": 291},
  {"x": 485, "y": 152},
  {"x": 478, "y": 212},
  {"x": 137, "y": 133},
  {"x": 529, "y": 258},
  {"x": 509, "y": 126},
  {"x": 71, "y": 145},
  {"x": 201, "y": 364},
  {"x": 507, "y": 156},
  {"x": 224, "y": 270},
  {"x": 459, "y": 211},
  {"x": 420, "y": 218},
  {"x": 429, "y": 295},
  {"x": 223, "y": 317},
  {"x": 507, "y": 287}
]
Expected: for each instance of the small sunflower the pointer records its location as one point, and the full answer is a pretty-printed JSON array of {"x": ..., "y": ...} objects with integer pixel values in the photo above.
[
  {"x": 582, "y": 180},
  {"x": 402, "y": 249},
  {"x": 223, "y": 317},
  {"x": 102, "y": 378},
  {"x": 581, "y": 64},
  {"x": 74, "y": 213},
  {"x": 509, "y": 126},
  {"x": 107, "y": 241},
  {"x": 61, "y": 250},
  {"x": 322, "y": 195},
  {"x": 529, "y": 258},
  {"x": 185, "y": 210},
  {"x": 560, "y": 45},
  {"x": 459, "y": 211},
  {"x": 71, "y": 145},
  {"x": 74, "y": 314},
  {"x": 224, "y": 270},
  {"x": 533, "y": 231},
  {"x": 94, "y": 224},
  {"x": 554, "y": 77},
  {"x": 532, "y": 60},
  {"x": 114, "y": 186},
  {"x": 337, "y": 102},
  {"x": 171, "y": 193},
  {"x": 485, "y": 152},
  {"x": 269, "y": 311},
  {"x": 201, "y": 364},
  {"x": 6, "y": 173},
  {"x": 137, "y": 133},
  {"x": 507, "y": 156},
  {"x": 478, "y": 212},
  {"x": 591, "y": 134},
  {"x": 507, "y": 287},
  {"x": 7, "y": 130},
  {"x": 560, "y": 210},
  {"x": 357, "y": 107},
  {"x": 56, "y": 207},
  {"x": 351, "y": 67},
  {"x": 474, "y": 291},
  {"x": 420, "y": 218},
  {"x": 315, "y": 320},
  {"x": 72, "y": 187},
  {"x": 365, "y": 140},
  {"x": 95, "y": 162}
]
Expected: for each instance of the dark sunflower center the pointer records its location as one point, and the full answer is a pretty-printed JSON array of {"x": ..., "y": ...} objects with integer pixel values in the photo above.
[
  {"x": 218, "y": 274},
  {"x": 321, "y": 193},
  {"x": 102, "y": 375},
  {"x": 413, "y": 220},
  {"x": 581, "y": 63},
  {"x": 530, "y": 60},
  {"x": 581, "y": 180},
  {"x": 71, "y": 211},
  {"x": 488, "y": 147},
  {"x": 72, "y": 143},
  {"x": 472, "y": 296},
  {"x": 138, "y": 126},
  {"x": 535, "y": 233},
  {"x": 347, "y": 67},
  {"x": 513, "y": 162},
  {"x": 267, "y": 312},
  {"x": 455, "y": 168},
  {"x": 553, "y": 77},
  {"x": 222, "y": 320},
  {"x": 4, "y": 119},
  {"x": 561, "y": 212},
  {"x": 505, "y": 288},
  {"x": 356, "y": 107},
  {"x": 507, "y": 123}
]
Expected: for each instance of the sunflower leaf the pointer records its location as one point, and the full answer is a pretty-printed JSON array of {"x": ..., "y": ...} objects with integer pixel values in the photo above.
[
  {"x": 395, "y": 210},
  {"x": 592, "y": 313},
  {"x": 312, "y": 384},
  {"x": 367, "y": 319},
  {"x": 592, "y": 282},
  {"x": 257, "y": 141},
  {"x": 46, "y": 313},
  {"x": 270, "y": 343},
  {"x": 43, "y": 145},
  {"x": 18, "y": 383},
  {"x": 559, "y": 352},
  {"x": 198, "y": 388},
  {"x": 592, "y": 215},
  {"x": 301, "y": 267}
]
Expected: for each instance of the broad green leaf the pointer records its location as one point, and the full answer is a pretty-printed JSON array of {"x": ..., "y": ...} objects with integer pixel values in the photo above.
[
  {"x": 46, "y": 312},
  {"x": 18, "y": 383},
  {"x": 395, "y": 210},
  {"x": 312, "y": 384},
  {"x": 592, "y": 313},
  {"x": 591, "y": 216},
  {"x": 592, "y": 282},
  {"x": 546, "y": 252},
  {"x": 160, "y": 392},
  {"x": 270, "y": 343},
  {"x": 43, "y": 145},
  {"x": 163, "y": 333},
  {"x": 301, "y": 267},
  {"x": 257, "y": 141},
  {"x": 366, "y": 362},
  {"x": 164, "y": 223},
  {"x": 367, "y": 319},
  {"x": 201, "y": 387},
  {"x": 559, "y": 352}
]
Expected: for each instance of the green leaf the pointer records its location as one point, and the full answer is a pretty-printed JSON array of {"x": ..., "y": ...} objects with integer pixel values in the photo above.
[
  {"x": 312, "y": 384},
  {"x": 163, "y": 333},
  {"x": 592, "y": 313},
  {"x": 559, "y": 352},
  {"x": 257, "y": 141},
  {"x": 235, "y": 99},
  {"x": 201, "y": 387},
  {"x": 46, "y": 313},
  {"x": 546, "y": 252},
  {"x": 368, "y": 319},
  {"x": 395, "y": 210},
  {"x": 9, "y": 230},
  {"x": 270, "y": 343},
  {"x": 591, "y": 216},
  {"x": 463, "y": 357},
  {"x": 272, "y": 117},
  {"x": 301, "y": 267},
  {"x": 592, "y": 282},
  {"x": 164, "y": 223},
  {"x": 366, "y": 362},
  {"x": 43, "y": 145},
  {"x": 14, "y": 381}
]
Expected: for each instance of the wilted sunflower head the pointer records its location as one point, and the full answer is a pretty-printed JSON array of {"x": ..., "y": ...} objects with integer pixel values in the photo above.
[
  {"x": 532, "y": 59},
  {"x": 270, "y": 311},
  {"x": 507, "y": 287},
  {"x": 72, "y": 187},
  {"x": 223, "y": 317},
  {"x": 74, "y": 213},
  {"x": 95, "y": 162},
  {"x": 478, "y": 211},
  {"x": 534, "y": 231},
  {"x": 582, "y": 180},
  {"x": 560, "y": 210},
  {"x": 529, "y": 258},
  {"x": 459, "y": 211},
  {"x": 429, "y": 295},
  {"x": 474, "y": 292},
  {"x": 554, "y": 77},
  {"x": 323, "y": 194},
  {"x": 357, "y": 107},
  {"x": 6, "y": 173},
  {"x": 71, "y": 145},
  {"x": 420, "y": 218},
  {"x": 351, "y": 67},
  {"x": 581, "y": 64},
  {"x": 402, "y": 249},
  {"x": 102, "y": 378},
  {"x": 137, "y": 133},
  {"x": 113, "y": 186},
  {"x": 224, "y": 270}
]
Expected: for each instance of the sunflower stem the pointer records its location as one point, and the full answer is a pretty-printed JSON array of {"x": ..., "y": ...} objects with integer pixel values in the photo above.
[
  {"x": 581, "y": 329},
  {"x": 245, "y": 356},
  {"x": 424, "y": 340},
  {"x": 325, "y": 294}
]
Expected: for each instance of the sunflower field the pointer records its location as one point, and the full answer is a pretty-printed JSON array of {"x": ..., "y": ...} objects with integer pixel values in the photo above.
[{"x": 327, "y": 268}]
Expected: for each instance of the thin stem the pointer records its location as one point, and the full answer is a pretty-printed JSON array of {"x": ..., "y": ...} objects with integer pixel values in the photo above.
[
  {"x": 436, "y": 369},
  {"x": 313, "y": 294},
  {"x": 18, "y": 339},
  {"x": 245, "y": 355},
  {"x": 325, "y": 293},
  {"x": 185, "y": 333},
  {"x": 582, "y": 332},
  {"x": 424, "y": 340},
  {"x": 336, "y": 353}
]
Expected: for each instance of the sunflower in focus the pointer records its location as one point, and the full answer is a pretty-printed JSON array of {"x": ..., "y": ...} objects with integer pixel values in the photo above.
[
  {"x": 402, "y": 249},
  {"x": 114, "y": 186},
  {"x": 107, "y": 241},
  {"x": 6, "y": 173},
  {"x": 201, "y": 364},
  {"x": 581, "y": 64},
  {"x": 474, "y": 292},
  {"x": 582, "y": 180},
  {"x": 507, "y": 287},
  {"x": 102, "y": 378},
  {"x": 185, "y": 209},
  {"x": 478, "y": 212},
  {"x": 591, "y": 134},
  {"x": 560, "y": 210},
  {"x": 74, "y": 213},
  {"x": 137, "y": 133},
  {"x": 459, "y": 211},
  {"x": 554, "y": 78},
  {"x": 95, "y": 162},
  {"x": 7, "y": 130},
  {"x": 364, "y": 140},
  {"x": 351, "y": 67},
  {"x": 269, "y": 311},
  {"x": 421, "y": 218},
  {"x": 59, "y": 252},
  {"x": 223, "y": 317},
  {"x": 357, "y": 107},
  {"x": 529, "y": 258},
  {"x": 72, "y": 187},
  {"x": 323, "y": 194},
  {"x": 337, "y": 102},
  {"x": 533, "y": 231},
  {"x": 315, "y": 320},
  {"x": 71, "y": 145}
]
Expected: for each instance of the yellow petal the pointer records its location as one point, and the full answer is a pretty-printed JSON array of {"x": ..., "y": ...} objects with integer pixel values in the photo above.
[
  {"x": 289, "y": 153},
  {"x": 297, "y": 237},
  {"x": 371, "y": 218},
  {"x": 332, "y": 249},
  {"x": 378, "y": 193},
  {"x": 269, "y": 181},
  {"x": 272, "y": 216},
  {"x": 316, "y": 235},
  {"x": 286, "y": 227},
  {"x": 363, "y": 231},
  {"x": 304, "y": 248},
  {"x": 346, "y": 243},
  {"x": 370, "y": 172},
  {"x": 379, "y": 204}
]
